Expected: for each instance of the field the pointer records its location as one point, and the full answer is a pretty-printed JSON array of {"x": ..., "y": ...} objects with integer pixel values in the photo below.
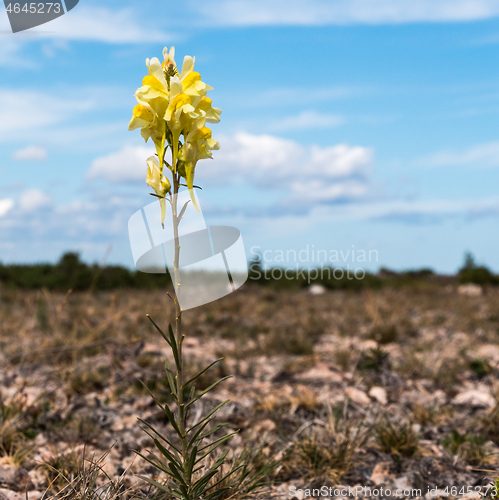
[{"x": 393, "y": 388}]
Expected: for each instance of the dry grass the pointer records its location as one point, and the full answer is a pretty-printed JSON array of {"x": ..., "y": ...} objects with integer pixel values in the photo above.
[
  {"x": 328, "y": 451},
  {"x": 397, "y": 439},
  {"x": 70, "y": 366}
]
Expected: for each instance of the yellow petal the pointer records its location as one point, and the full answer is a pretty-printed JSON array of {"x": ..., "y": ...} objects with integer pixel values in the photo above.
[
  {"x": 143, "y": 112},
  {"x": 176, "y": 104},
  {"x": 153, "y": 82},
  {"x": 191, "y": 79},
  {"x": 187, "y": 66}
]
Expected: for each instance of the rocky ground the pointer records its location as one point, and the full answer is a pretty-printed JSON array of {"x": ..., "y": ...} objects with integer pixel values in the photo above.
[{"x": 392, "y": 389}]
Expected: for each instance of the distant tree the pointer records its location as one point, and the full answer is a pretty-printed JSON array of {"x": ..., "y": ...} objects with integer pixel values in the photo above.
[{"x": 471, "y": 272}]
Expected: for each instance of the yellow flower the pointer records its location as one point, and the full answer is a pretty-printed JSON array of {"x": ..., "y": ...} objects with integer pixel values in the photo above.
[
  {"x": 169, "y": 57},
  {"x": 156, "y": 180},
  {"x": 154, "y": 91},
  {"x": 198, "y": 146},
  {"x": 156, "y": 69},
  {"x": 187, "y": 66},
  {"x": 151, "y": 126},
  {"x": 193, "y": 85},
  {"x": 151, "y": 89},
  {"x": 180, "y": 107},
  {"x": 143, "y": 116},
  {"x": 171, "y": 104},
  {"x": 211, "y": 114},
  {"x": 179, "y": 115}
]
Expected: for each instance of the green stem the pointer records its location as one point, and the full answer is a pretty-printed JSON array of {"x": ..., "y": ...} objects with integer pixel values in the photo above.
[{"x": 178, "y": 327}]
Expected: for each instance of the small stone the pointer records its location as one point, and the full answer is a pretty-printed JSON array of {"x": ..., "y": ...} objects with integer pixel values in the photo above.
[
  {"x": 320, "y": 373},
  {"x": 37, "y": 477},
  {"x": 12, "y": 495},
  {"x": 316, "y": 290},
  {"x": 357, "y": 396},
  {"x": 379, "y": 394},
  {"x": 14, "y": 477},
  {"x": 402, "y": 483},
  {"x": 266, "y": 425},
  {"x": 476, "y": 398},
  {"x": 381, "y": 473},
  {"x": 8, "y": 475},
  {"x": 366, "y": 345},
  {"x": 470, "y": 289},
  {"x": 33, "y": 495},
  {"x": 9, "y": 494},
  {"x": 128, "y": 422}
]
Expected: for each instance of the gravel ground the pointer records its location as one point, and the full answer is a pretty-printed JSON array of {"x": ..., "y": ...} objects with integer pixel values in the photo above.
[{"x": 392, "y": 389}]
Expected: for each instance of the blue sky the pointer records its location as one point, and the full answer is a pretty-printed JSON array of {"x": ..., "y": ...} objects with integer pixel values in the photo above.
[{"x": 366, "y": 124}]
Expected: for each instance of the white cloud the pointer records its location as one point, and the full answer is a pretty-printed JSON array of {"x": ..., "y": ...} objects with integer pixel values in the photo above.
[
  {"x": 341, "y": 12},
  {"x": 481, "y": 155},
  {"x": 30, "y": 153},
  {"x": 128, "y": 164},
  {"x": 331, "y": 173},
  {"x": 411, "y": 211},
  {"x": 52, "y": 47},
  {"x": 318, "y": 191},
  {"x": 10, "y": 53},
  {"x": 266, "y": 159},
  {"x": 99, "y": 24},
  {"x": 307, "y": 120},
  {"x": 39, "y": 115},
  {"x": 29, "y": 110},
  {"x": 33, "y": 199},
  {"x": 84, "y": 23},
  {"x": 5, "y": 205}
]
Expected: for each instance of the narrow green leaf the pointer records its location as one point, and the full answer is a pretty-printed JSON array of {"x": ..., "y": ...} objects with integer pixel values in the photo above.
[
  {"x": 171, "y": 418},
  {"x": 209, "y": 414},
  {"x": 192, "y": 461},
  {"x": 184, "y": 208},
  {"x": 195, "y": 437},
  {"x": 217, "y": 494},
  {"x": 192, "y": 393},
  {"x": 219, "y": 441},
  {"x": 167, "y": 441},
  {"x": 201, "y": 394},
  {"x": 171, "y": 489},
  {"x": 171, "y": 382},
  {"x": 173, "y": 345},
  {"x": 200, "y": 485},
  {"x": 214, "y": 468},
  {"x": 159, "y": 329},
  {"x": 205, "y": 454},
  {"x": 151, "y": 394},
  {"x": 201, "y": 372},
  {"x": 211, "y": 431},
  {"x": 157, "y": 466},
  {"x": 176, "y": 474},
  {"x": 153, "y": 438},
  {"x": 232, "y": 471},
  {"x": 220, "y": 460},
  {"x": 155, "y": 483},
  {"x": 166, "y": 453}
]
